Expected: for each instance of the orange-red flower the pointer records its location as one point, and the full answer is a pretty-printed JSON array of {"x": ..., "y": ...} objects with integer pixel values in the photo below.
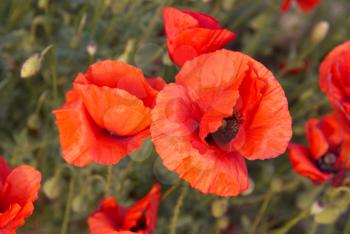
[
  {"x": 326, "y": 157},
  {"x": 107, "y": 114},
  {"x": 305, "y": 5},
  {"x": 334, "y": 76},
  {"x": 190, "y": 34},
  {"x": 110, "y": 218},
  {"x": 224, "y": 107},
  {"x": 18, "y": 190}
]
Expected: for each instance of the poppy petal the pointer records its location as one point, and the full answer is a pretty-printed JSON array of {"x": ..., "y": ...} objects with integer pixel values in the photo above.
[
  {"x": 269, "y": 130},
  {"x": 107, "y": 219},
  {"x": 307, "y": 5},
  {"x": 303, "y": 165},
  {"x": 285, "y": 5},
  {"x": 83, "y": 142},
  {"x": 147, "y": 206},
  {"x": 115, "y": 110},
  {"x": 206, "y": 169},
  {"x": 190, "y": 43},
  {"x": 117, "y": 74},
  {"x": 21, "y": 186},
  {"x": 156, "y": 83},
  {"x": 4, "y": 171},
  {"x": 175, "y": 21},
  {"x": 317, "y": 141}
]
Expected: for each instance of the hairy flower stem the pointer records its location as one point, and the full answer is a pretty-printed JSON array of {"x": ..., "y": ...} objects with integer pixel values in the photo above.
[
  {"x": 262, "y": 211},
  {"x": 109, "y": 181},
  {"x": 68, "y": 205},
  {"x": 179, "y": 203},
  {"x": 292, "y": 222},
  {"x": 170, "y": 190}
]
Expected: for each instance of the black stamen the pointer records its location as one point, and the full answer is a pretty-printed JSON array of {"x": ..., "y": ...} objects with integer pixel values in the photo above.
[{"x": 226, "y": 132}]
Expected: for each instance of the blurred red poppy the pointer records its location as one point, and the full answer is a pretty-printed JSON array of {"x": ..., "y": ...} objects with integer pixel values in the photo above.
[
  {"x": 106, "y": 114},
  {"x": 305, "y": 5},
  {"x": 19, "y": 188},
  {"x": 334, "y": 76},
  {"x": 110, "y": 218},
  {"x": 327, "y": 155},
  {"x": 190, "y": 34},
  {"x": 224, "y": 107}
]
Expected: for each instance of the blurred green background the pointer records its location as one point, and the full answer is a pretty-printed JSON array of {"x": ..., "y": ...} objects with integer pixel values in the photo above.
[{"x": 82, "y": 32}]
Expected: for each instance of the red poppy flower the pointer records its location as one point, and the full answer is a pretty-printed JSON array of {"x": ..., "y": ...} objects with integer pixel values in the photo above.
[
  {"x": 334, "y": 76},
  {"x": 18, "y": 190},
  {"x": 190, "y": 34},
  {"x": 110, "y": 218},
  {"x": 326, "y": 157},
  {"x": 106, "y": 114},
  {"x": 224, "y": 107},
  {"x": 305, "y": 5}
]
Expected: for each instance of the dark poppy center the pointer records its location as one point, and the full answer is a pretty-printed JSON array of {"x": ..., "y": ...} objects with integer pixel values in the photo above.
[
  {"x": 326, "y": 163},
  {"x": 140, "y": 225},
  {"x": 227, "y": 131}
]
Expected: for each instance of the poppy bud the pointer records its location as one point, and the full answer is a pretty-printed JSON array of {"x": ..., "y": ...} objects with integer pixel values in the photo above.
[
  {"x": 31, "y": 66},
  {"x": 53, "y": 187},
  {"x": 33, "y": 122},
  {"x": 276, "y": 185},
  {"x": 319, "y": 32},
  {"x": 223, "y": 222},
  {"x": 91, "y": 48},
  {"x": 316, "y": 208},
  {"x": 219, "y": 208},
  {"x": 79, "y": 204},
  {"x": 42, "y": 4}
]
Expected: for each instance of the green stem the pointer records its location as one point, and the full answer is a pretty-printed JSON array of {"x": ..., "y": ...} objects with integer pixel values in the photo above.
[
  {"x": 109, "y": 180},
  {"x": 68, "y": 205},
  {"x": 262, "y": 211},
  {"x": 179, "y": 203},
  {"x": 313, "y": 228},
  {"x": 292, "y": 222},
  {"x": 170, "y": 190}
]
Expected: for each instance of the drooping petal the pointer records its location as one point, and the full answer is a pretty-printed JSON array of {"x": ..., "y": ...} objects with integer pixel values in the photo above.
[
  {"x": 316, "y": 138},
  {"x": 302, "y": 164},
  {"x": 83, "y": 142},
  {"x": 115, "y": 109},
  {"x": 142, "y": 216},
  {"x": 207, "y": 169}
]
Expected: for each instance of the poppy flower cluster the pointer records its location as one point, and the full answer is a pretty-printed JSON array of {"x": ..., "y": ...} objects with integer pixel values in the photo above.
[
  {"x": 19, "y": 188},
  {"x": 327, "y": 158},
  {"x": 224, "y": 107}
]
